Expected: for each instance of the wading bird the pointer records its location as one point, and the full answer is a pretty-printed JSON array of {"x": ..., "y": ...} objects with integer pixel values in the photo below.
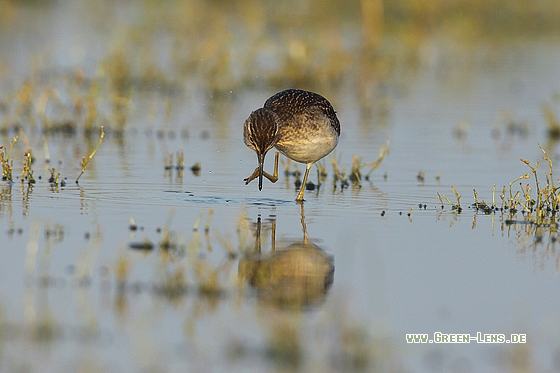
[{"x": 302, "y": 125}]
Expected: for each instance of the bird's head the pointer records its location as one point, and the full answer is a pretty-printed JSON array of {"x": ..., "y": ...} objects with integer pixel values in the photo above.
[{"x": 260, "y": 133}]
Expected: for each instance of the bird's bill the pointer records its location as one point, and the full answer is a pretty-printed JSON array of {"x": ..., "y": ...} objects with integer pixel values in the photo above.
[{"x": 261, "y": 168}]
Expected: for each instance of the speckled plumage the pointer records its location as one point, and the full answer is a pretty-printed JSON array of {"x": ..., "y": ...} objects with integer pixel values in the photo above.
[
  {"x": 290, "y": 103},
  {"x": 308, "y": 129},
  {"x": 260, "y": 131},
  {"x": 302, "y": 125}
]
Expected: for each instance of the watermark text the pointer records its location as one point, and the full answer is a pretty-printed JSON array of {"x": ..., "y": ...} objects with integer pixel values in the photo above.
[{"x": 439, "y": 337}]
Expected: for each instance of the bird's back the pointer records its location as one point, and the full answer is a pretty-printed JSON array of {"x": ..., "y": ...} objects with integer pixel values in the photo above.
[{"x": 296, "y": 102}]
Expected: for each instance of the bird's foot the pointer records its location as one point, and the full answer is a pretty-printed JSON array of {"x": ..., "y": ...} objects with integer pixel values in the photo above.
[{"x": 253, "y": 176}]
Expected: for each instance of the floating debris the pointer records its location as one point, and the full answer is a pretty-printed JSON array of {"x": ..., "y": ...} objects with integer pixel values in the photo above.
[{"x": 146, "y": 244}]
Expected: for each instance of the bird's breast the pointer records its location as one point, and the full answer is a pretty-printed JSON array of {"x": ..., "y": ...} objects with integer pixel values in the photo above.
[{"x": 307, "y": 149}]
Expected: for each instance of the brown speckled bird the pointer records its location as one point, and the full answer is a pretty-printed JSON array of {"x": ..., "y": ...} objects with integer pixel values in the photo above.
[{"x": 302, "y": 125}]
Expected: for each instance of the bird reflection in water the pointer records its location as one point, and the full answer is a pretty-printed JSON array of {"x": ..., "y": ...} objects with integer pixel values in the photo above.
[{"x": 296, "y": 276}]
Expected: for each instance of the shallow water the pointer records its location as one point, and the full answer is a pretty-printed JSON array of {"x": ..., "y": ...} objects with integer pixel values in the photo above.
[{"x": 74, "y": 294}]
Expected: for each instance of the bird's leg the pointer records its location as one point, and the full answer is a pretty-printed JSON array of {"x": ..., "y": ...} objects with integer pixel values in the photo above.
[
  {"x": 273, "y": 178},
  {"x": 302, "y": 190}
]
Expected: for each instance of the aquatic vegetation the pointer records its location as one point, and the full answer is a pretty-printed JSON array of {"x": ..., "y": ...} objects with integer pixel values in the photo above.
[
  {"x": 179, "y": 261},
  {"x": 383, "y": 151},
  {"x": 531, "y": 208},
  {"x": 207, "y": 54},
  {"x": 339, "y": 175},
  {"x": 454, "y": 206},
  {"x": 321, "y": 171},
  {"x": 24, "y": 99},
  {"x": 168, "y": 162},
  {"x": 506, "y": 124},
  {"x": 208, "y": 220},
  {"x": 132, "y": 226},
  {"x": 180, "y": 160},
  {"x": 168, "y": 243},
  {"x": 7, "y": 161},
  {"x": 551, "y": 118},
  {"x": 356, "y": 349},
  {"x": 85, "y": 161},
  {"x": 122, "y": 269},
  {"x": 356, "y": 176},
  {"x": 357, "y": 165},
  {"x": 483, "y": 206},
  {"x": 546, "y": 204},
  {"x": 92, "y": 114},
  {"x": 54, "y": 178},
  {"x": 61, "y": 120},
  {"x": 539, "y": 209},
  {"x": 203, "y": 50},
  {"x": 27, "y": 171},
  {"x": 195, "y": 169},
  {"x": 178, "y": 165}
]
